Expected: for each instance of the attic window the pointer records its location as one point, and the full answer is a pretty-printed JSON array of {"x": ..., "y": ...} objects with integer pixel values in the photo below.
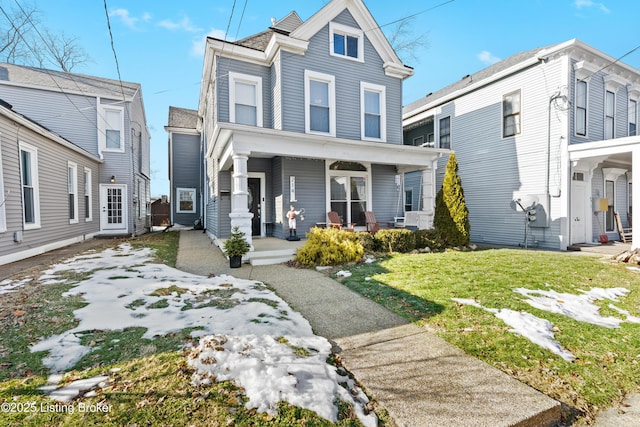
[{"x": 346, "y": 42}]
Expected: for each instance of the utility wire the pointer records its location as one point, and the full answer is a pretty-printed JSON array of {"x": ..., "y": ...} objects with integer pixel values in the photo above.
[
  {"x": 411, "y": 16},
  {"x": 113, "y": 48},
  {"x": 611, "y": 63}
]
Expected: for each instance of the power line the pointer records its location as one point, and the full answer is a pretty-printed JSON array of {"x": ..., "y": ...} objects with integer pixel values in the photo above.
[
  {"x": 611, "y": 63},
  {"x": 113, "y": 48},
  {"x": 411, "y": 16}
]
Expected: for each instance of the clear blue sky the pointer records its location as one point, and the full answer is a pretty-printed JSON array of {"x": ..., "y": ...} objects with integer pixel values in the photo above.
[{"x": 159, "y": 43}]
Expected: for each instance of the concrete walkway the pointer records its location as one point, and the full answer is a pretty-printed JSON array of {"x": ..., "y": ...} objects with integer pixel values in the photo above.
[{"x": 420, "y": 379}]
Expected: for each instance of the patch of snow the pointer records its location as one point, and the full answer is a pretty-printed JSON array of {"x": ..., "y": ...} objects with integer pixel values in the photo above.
[
  {"x": 74, "y": 389},
  {"x": 578, "y": 307},
  {"x": 636, "y": 269},
  {"x": 9, "y": 285},
  {"x": 630, "y": 318},
  {"x": 538, "y": 331},
  {"x": 369, "y": 260},
  {"x": 343, "y": 273},
  {"x": 239, "y": 321}
]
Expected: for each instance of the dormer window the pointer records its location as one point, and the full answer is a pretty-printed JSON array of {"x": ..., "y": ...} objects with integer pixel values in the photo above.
[{"x": 346, "y": 42}]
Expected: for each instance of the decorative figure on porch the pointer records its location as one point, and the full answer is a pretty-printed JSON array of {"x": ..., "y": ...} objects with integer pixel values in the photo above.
[{"x": 291, "y": 216}]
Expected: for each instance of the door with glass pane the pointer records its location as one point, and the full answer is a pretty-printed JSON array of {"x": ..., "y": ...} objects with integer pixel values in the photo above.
[
  {"x": 113, "y": 208},
  {"x": 349, "y": 197}
]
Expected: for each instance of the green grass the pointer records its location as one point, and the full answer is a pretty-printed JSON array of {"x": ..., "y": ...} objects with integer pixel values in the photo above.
[
  {"x": 152, "y": 382},
  {"x": 420, "y": 287}
]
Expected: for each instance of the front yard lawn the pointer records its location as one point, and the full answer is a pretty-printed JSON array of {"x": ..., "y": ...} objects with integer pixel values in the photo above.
[{"x": 420, "y": 287}]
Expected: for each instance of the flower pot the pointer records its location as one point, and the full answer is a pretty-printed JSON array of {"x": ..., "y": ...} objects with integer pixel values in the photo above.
[{"x": 235, "y": 261}]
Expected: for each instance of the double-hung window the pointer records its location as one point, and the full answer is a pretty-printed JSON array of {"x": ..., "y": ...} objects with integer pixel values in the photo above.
[
  {"x": 445, "y": 132},
  {"x": 609, "y": 114},
  {"x": 88, "y": 213},
  {"x": 633, "y": 116},
  {"x": 245, "y": 99},
  {"x": 511, "y": 114},
  {"x": 373, "y": 108},
  {"x": 30, "y": 186},
  {"x": 72, "y": 188},
  {"x": 346, "y": 42},
  {"x": 111, "y": 128},
  {"x": 186, "y": 200},
  {"x": 320, "y": 109},
  {"x": 581, "y": 108}
]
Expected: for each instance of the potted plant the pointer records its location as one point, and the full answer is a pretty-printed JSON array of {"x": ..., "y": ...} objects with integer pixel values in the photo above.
[{"x": 235, "y": 247}]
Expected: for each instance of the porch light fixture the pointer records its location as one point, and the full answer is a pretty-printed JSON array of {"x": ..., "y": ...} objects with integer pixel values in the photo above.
[{"x": 113, "y": 179}]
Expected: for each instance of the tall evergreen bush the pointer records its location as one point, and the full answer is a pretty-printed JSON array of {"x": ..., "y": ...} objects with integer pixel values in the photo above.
[{"x": 451, "y": 216}]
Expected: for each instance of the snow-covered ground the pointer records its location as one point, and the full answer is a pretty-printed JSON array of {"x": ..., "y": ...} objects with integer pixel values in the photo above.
[
  {"x": 579, "y": 307},
  {"x": 248, "y": 334}
]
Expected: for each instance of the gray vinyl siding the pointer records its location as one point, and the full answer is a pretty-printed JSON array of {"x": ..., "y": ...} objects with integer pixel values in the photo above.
[
  {"x": 348, "y": 75},
  {"x": 73, "y": 117},
  {"x": 310, "y": 194},
  {"x": 495, "y": 170},
  {"x": 412, "y": 181},
  {"x": 52, "y": 169},
  {"x": 224, "y": 206},
  {"x": 386, "y": 195},
  {"x": 186, "y": 166},
  {"x": 226, "y": 65}
]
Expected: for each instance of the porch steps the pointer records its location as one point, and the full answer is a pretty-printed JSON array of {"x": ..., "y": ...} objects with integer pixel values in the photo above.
[{"x": 270, "y": 257}]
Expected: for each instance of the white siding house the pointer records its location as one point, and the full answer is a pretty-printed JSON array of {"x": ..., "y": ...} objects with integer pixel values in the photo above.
[{"x": 552, "y": 129}]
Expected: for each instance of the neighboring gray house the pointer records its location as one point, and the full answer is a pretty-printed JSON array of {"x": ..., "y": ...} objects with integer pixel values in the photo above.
[
  {"x": 555, "y": 129},
  {"x": 48, "y": 189},
  {"x": 102, "y": 117},
  {"x": 185, "y": 166},
  {"x": 306, "y": 114}
]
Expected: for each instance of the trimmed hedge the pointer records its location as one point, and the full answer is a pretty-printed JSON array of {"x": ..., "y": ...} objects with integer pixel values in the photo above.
[
  {"x": 395, "y": 240},
  {"x": 329, "y": 246}
]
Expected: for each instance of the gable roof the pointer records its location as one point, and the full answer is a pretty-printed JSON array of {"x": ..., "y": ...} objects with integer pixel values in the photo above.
[{"x": 59, "y": 81}]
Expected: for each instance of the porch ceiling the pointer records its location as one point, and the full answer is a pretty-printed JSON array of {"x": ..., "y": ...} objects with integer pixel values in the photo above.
[{"x": 262, "y": 142}]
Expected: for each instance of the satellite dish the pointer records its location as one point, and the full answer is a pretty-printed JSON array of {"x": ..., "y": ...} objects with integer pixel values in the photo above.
[{"x": 524, "y": 202}]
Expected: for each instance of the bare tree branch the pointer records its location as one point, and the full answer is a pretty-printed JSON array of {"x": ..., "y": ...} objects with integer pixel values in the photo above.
[
  {"x": 24, "y": 40},
  {"x": 406, "y": 43}
]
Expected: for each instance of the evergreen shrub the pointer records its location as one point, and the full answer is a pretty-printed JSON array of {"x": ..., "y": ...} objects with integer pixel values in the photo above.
[
  {"x": 329, "y": 246},
  {"x": 431, "y": 238},
  {"x": 395, "y": 240},
  {"x": 451, "y": 216}
]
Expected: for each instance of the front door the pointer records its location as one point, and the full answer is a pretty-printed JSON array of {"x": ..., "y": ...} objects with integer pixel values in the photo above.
[
  {"x": 255, "y": 206},
  {"x": 578, "y": 209},
  {"x": 113, "y": 208}
]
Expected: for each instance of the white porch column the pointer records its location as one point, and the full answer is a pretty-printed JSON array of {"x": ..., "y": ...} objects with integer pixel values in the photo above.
[
  {"x": 428, "y": 196},
  {"x": 635, "y": 192},
  {"x": 240, "y": 215}
]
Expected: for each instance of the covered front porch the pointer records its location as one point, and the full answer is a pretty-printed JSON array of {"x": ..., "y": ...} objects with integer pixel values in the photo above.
[
  {"x": 602, "y": 176},
  {"x": 315, "y": 173}
]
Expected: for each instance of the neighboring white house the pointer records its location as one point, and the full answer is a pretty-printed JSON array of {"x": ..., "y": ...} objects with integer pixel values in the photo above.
[
  {"x": 102, "y": 119},
  {"x": 306, "y": 114},
  {"x": 554, "y": 129}
]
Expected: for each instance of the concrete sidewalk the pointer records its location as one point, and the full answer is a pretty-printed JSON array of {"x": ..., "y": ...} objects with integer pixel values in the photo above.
[{"x": 420, "y": 379}]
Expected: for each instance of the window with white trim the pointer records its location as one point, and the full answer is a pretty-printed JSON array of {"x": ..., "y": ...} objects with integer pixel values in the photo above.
[
  {"x": 111, "y": 128},
  {"x": 346, "y": 42},
  {"x": 609, "y": 194},
  {"x": 320, "y": 105},
  {"x": 511, "y": 119},
  {"x": 72, "y": 189},
  {"x": 609, "y": 114},
  {"x": 30, "y": 186},
  {"x": 3, "y": 196},
  {"x": 633, "y": 116},
  {"x": 445, "y": 132},
  {"x": 88, "y": 212},
  {"x": 245, "y": 99},
  {"x": 581, "y": 108},
  {"x": 408, "y": 199},
  {"x": 186, "y": 198},
  {"x": 373, "y": 106}
]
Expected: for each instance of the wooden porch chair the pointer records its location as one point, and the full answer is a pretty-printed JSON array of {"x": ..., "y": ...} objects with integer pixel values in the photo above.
[
  {"x": 336, "y": 222},
  {"x": 624, "y": 232},
  {"x": 373, "y": 225}
]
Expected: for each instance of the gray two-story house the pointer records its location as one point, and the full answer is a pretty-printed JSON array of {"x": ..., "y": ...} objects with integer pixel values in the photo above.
[
  {"x": 552, "y": 130},
  {"x": 306, "y": 114},
  {"x": 100, "y": 118}
]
